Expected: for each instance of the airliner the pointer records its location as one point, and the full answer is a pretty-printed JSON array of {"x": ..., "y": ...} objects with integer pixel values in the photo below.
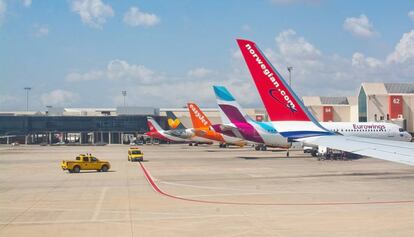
[
  {"x": 202, "y": 128},
  {"x": 242, "y": 126},
  {"x": 236, "y": 122},
  {"x": 155, "y": 131},
  {"x": 292, "y": 120},
  {"x": 387, "y": 131},
  {"x": 177, "y": 129}
]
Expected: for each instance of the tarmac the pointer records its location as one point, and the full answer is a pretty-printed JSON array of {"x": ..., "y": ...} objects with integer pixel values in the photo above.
[{"x": 202, "y": 191}]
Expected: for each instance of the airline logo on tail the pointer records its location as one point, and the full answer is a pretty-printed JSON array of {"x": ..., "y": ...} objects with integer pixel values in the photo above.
[
  {"x": 198, "y": 116},
  {"x": 173, "y": 123},
  {"x": 272, "y": 79},
  {"x": 275, "y": 94}
]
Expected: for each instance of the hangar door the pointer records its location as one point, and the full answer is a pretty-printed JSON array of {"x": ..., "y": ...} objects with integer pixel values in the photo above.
[{"x": 395, "y": 109}]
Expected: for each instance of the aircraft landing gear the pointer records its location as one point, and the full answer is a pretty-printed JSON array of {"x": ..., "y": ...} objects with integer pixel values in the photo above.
[
  {"x": 260, "y": 147},
  {"x": 224, "y": 145}
]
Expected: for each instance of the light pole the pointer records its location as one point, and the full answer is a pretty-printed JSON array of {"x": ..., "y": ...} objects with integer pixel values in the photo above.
[
  {"x": 27, "y": 89},
  {"x": 290, "y": 68},
  {"x": 48, "y": 107},
  {"x": 124, "y": 93}
]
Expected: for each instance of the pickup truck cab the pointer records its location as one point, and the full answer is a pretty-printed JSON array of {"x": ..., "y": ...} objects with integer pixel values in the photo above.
[
  {"x": 135, "y": 154},
  {"x": 85, "y": 162}
]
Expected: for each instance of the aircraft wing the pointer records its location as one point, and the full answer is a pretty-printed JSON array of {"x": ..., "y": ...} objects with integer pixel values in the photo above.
[{"x": 395, "y": 151}]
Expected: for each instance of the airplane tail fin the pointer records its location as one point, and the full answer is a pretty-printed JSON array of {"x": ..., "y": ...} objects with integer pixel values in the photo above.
[
  {"x": 153, "y": 126},
  {"x": 281, "y": 103},
  {"x": 173, "y": 121},
  {"x": 198, "y": 118},
  {"x": 230, "y": 110}
]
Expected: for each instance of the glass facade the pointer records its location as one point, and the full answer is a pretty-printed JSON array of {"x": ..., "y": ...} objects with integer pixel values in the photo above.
[
  {"x": 18, "y": 125},
  {"x": 362, "y": 106}
]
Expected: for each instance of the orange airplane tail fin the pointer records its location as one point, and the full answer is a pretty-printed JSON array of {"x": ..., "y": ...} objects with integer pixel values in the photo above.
[{"x": 198, "y": 118}]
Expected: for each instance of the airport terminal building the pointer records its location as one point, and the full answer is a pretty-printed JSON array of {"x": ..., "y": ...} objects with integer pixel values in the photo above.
[
  {"x": 77, "y": 125},
  {"x": 391, "y": 102}
]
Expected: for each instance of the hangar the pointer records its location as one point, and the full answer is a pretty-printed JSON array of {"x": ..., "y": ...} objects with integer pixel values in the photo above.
[
  {"x": 332, "y": 109},
  {"x": 387, "y": 101},
  {"x": 390, "y": 102}
]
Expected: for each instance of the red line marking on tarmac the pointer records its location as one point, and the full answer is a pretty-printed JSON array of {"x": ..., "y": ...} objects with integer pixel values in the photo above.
[{"x": 158, "y": 190}]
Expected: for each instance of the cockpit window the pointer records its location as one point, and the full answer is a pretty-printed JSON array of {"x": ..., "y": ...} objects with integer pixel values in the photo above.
[{"x": 401, "y": 130}]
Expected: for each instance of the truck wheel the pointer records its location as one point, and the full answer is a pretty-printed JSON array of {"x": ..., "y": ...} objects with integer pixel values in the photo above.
[
  {"x": 76, "y": 169},
  {"x": 104, "y": 168}
]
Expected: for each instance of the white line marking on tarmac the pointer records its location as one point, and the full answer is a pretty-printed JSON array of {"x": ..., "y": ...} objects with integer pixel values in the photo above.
[
  {"x": 71, "y": 221},
  {"x": 226, "y": 194},
  {"x": 99, "y": 204}
]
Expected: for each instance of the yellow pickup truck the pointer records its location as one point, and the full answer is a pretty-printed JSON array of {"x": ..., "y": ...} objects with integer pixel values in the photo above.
[
  {"x": 135, "y": 154},
  {"x": 85, "y": 162}
]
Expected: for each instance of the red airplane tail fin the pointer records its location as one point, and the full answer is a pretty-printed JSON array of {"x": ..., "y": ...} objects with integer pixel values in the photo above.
[{"x": 280, "y": 101}]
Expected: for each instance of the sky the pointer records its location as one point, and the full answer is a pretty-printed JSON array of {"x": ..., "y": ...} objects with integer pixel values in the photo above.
[{"x": 84, "y": 53}]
